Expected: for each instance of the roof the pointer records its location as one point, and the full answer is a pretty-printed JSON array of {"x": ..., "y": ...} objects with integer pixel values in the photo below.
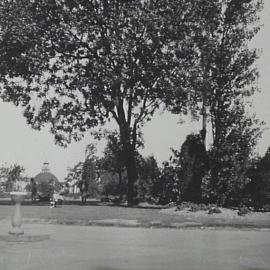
[{"x": 45, "y": 177}]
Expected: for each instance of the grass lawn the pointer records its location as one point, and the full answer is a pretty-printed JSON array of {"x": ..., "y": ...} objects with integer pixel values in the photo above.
[{"x": 100, "y": 214}]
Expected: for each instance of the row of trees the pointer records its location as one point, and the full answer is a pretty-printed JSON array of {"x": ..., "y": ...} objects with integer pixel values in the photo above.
[
  {"x": 185, "y": 177},
  {"x": 11, "y": 174},
  {"x": 76, "y": 65}
]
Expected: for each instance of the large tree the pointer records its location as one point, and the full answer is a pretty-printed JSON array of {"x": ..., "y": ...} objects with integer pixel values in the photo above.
[
  {"x": 232, "y": 74},
  {"x": 225, "y": 71},
  {"x": 230, "y": 160},
  {"x": 78, "y": 64},
  {"x": 228, "y": 77},
  {"x": 224, "y": 78}
]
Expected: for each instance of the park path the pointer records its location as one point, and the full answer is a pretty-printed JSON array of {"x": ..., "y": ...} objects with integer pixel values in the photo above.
[{"x": 104, "y": 248}]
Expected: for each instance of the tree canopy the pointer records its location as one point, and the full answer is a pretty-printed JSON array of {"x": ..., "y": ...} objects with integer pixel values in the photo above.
[
  {"x": 75, "y": 65},
  {"x": 225, "y": 72},
  {"x": 78, "y": 64}
]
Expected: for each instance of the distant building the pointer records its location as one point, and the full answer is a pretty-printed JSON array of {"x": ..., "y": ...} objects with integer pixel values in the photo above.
[
  {"x": 45, "y": 176},
  {"x": 47, "y": 183}
]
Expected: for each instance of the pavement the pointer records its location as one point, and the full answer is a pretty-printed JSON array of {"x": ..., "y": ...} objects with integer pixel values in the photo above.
[
  {"x": 108, "y": 248},
  {"x": 109, "y": 238}
]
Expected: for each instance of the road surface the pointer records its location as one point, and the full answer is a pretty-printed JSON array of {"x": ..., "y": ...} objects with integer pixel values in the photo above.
[{"x": 109, "y": 248}]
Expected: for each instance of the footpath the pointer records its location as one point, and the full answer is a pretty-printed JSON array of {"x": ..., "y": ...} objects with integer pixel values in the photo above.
[
  {"x": 110, "y": 248},
  {"x": 96, "y": 237}
]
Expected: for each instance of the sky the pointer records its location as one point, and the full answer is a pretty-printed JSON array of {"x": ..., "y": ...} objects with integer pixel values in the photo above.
[{"x": 21, "y": 145}]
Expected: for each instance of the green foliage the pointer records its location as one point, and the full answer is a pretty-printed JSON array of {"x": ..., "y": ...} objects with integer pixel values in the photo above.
[
  {"x": 244, "y": 210},
  {"x": 166, "y": 189},
  {"x": 113, "y": 159},
  {"x": 192, "y": 161},
  {"x": 111, "y": 166},
  {"x": 110, "y": 184},
  {"x": 11, "y": 174},
  {"x": 231, "y": 71},
  {"x": 28, "y": 187},
  {"x": 223, "y": 77},
  {"x": 78, "y": 64},
  {"x": 231, "y": 78},
  {"x": 257, "y": 192},
  {"x": 214, "y": 210},
  {"x": 74, "y": 173},
  {"x": 230, "y": 160},
  {"x": 195, "y": 207},
  {"x": 149, "y": 174},
  {"x": 224, "y": 68},
  {"x": 113, "y": 184},
  {"x": 89, "y": 171},
  {"x": 87, "y": 62}
]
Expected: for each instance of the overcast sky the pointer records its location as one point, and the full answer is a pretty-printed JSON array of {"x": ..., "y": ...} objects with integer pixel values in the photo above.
[{"x": 24, "y": 146}]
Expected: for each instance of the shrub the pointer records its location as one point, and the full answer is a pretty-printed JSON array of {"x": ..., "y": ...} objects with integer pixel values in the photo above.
[
  {"x": 193, "y": 207},
  {"x": 149, "y": 173},
  {"x": 257, "y": 191},
  {"x": 193, "y": 163},
  {"x": 214, "y": 210},
  {"x": 266, "y": 208},
  {"x": 230, "y": 157},
  {"x": 244, "y": 210},
  {"x": 166, "y": 188}
]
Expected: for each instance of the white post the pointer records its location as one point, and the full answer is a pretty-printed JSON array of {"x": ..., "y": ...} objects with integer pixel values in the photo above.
[{"x": 16, "y": 220}]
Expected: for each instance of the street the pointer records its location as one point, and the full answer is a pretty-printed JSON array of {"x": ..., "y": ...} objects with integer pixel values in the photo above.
[{"x": 90, "y": 247}]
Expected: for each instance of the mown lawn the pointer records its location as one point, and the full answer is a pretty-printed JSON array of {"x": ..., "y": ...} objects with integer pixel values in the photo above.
[
  {"x": 147, "y": 217},
  {"x": 91, "y": 213}
]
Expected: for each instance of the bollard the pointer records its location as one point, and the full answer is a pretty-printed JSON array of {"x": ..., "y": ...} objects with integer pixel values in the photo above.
[{"x": 16, "y": 219}]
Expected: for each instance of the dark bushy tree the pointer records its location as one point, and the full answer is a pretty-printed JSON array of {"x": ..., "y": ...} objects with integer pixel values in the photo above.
[
  {"x": 166, "y": 189},
  {"x": 223, "y": 77},
  {"x": 257, "y": 191},
  {"x": 89, "y": 170},
  {"x": 149, "y": 174},
  {"x": 224, "y": 70},
  {"x": 193, "y": 164},
  {"x": 230, "y": 160},
  {"x": 89, "y": 176},
  {"x": 113, "y": 162},
  {"x": 110, "y": 186}
]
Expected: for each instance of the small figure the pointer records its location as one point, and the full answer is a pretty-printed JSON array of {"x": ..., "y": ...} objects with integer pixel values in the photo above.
[
  {"x": 83, "y": 186},
  {"x": 52, "y": 203},
  {"x": 59, "y": 197},
  {"x": 33, "y": 189}
]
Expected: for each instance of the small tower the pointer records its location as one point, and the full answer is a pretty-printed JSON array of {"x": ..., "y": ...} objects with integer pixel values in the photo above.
[{"x": 45, "y": 167}]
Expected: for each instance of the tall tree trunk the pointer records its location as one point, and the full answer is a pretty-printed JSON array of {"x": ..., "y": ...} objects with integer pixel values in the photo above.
[
  {"x": 130, "y": 164},
  {"x": 128, "y": 140}
]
